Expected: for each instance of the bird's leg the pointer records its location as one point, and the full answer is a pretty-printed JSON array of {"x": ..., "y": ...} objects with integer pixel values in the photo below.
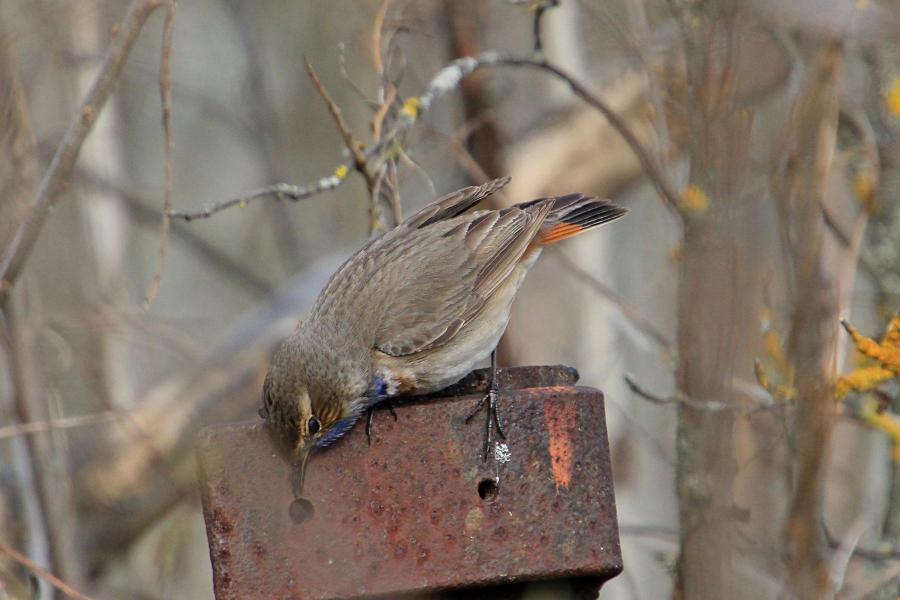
[
  {"x": 371, "y": 416},
  {"x": 493, "y": 421}
]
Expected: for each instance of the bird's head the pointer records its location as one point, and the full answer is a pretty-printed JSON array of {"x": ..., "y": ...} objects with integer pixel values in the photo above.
[{"x": 301, "y": 412}]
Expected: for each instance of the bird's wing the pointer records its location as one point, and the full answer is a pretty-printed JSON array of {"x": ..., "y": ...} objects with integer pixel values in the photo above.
[
  {"x": 437, "y": 277},
  {"x": 353, "y": 286},
  {"x": 453, "y": 204}
]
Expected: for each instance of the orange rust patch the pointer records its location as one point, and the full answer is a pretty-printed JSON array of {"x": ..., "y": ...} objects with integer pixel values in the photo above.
[{"x": 561, "y": 420}]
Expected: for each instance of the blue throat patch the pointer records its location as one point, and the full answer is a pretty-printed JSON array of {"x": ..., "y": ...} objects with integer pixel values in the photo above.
[
  {"x": 380, "y": 389},
  {"x": 376, "y": 395},
  {"x": 339, "y": 429}
]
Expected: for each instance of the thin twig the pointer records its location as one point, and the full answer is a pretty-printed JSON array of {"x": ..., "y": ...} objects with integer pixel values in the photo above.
[
  {"x": 53, "y": 496},
  {"x": 353, "y": 146},
  {"x": 145, "y": 215},
  {"x": 653, "y": 531},
  {"x": 18, "y": 429},
  {"x": 342, "y": 69},
  {"x": 380, "y": 114},
  {"x": 677, "y": 398},
  {"x": 707, "y": 405},
  {"x": 20, "y": 145},
  {"x": 264, "y": 116},
  {"x": 376, "y": 38},
  {"x": 385, "y": 174},
  {"x": 888, "y": 552},
  {"x": 165, "y": 94},
  {"x": 845, "y": 240},
  {"x": 445, "y": 81},
  {"x": 43, "y": 573},
  {"x": 54, "y": 181},
  {"x": 657, "y": 177},
  {"x": 360, "y": 162},
  {"x": 18, "y": 137},
  {"x": 540, "y": 8},
  {"x": 456, "y": 143},
  {"x": 642, "y": 324},
  {"x": 279, "y": 191}
]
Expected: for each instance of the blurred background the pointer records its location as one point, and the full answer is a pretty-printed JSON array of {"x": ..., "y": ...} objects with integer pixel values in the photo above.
[{"x": 755, "y": 144}]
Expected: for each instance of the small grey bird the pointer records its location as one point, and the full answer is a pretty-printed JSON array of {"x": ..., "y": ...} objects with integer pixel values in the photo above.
[{"x": 413, "y": 312}]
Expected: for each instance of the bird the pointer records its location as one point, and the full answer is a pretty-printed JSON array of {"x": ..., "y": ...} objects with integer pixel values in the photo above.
[{"x": 412, "y": 312}]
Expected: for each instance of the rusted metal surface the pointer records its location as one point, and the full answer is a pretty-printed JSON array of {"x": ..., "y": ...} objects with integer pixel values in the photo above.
[{"x": 406, "y": 514}]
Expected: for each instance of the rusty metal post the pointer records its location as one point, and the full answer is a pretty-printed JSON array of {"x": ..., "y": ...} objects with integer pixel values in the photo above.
[{"x": 418, "y": 512}]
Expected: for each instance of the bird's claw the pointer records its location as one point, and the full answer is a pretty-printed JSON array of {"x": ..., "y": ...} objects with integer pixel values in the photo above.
[
  {"x": 493, "y": 420},
  {"x": 371, "y": 416}
]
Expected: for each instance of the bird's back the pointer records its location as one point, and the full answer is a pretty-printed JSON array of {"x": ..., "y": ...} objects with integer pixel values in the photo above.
[{"x": 416, "y": 287}]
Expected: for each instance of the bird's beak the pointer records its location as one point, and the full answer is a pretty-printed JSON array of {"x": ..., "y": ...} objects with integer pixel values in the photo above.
[{"x": 299, "y": 474}]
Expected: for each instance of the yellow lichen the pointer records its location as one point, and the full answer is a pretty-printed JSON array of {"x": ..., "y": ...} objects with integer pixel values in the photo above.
[
  {"x": 411, "y": 107},
  {"x": 694, "y": 200},
  {"x": 761, "y": 376},
  {"x": 892, "y": 97},
  {"x": 886, "y": 353},
  {"x": 784, "y": 390},
  {"x": 341, "y": 171},
  {"x": 779, "y": 392},
  {"x": 885, "y": 421},
  {"x": 864, "y": 188},
  {"x": 891, "y": 336},
  {"x": 772, "y": 344},
  {"x": 878, "y": 361},
  {"x": 675, "y": 253},
  {"x": 861, "y": 379}
]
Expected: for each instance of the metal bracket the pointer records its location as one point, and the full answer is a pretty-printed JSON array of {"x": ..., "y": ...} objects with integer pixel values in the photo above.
[{"x": 419, "y": 511}]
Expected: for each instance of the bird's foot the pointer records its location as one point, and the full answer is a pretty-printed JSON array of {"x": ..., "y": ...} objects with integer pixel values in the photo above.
[
  {"x": 371, "y": 417},
  {"x": 493, "y": 420}
]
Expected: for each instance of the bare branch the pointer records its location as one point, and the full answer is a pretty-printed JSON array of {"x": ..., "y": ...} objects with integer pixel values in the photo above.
[
  {"x": 354, "y": 147},
  {"x": 278, "y": 191},
  {"x": 887, "y": 552},
  {"x": 456, "y": 144},
  {"x": 261, "y": 108},
  {"x": 642, "y": 324},
  {"x": 43, "y": 573},
  {"x": 657, "y": 177},
  {"x": 810, "y": 142},
  {"x": 11, "y": 431},
  {"x": 18, "y": 137},
  {"x": 145, "y": 215},
  {"x": 677, "y": 398},
  {"x": 377, "y": 27},
  {"x": 445, "y": 81},
  {"x": 53, "y": 183},
  {"x": 165, "y": 93},
  {"x": 539, "y": 9},
  {"x": 706, "y": 405}
]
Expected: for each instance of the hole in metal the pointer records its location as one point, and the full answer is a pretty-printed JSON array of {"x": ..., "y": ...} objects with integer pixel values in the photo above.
[
  {"x": 301, "y": 510},
  {"x": 488, "y": 489}
]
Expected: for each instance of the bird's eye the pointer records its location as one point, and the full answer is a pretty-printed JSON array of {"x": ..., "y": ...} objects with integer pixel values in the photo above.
[{"x": 312, "y": 426}]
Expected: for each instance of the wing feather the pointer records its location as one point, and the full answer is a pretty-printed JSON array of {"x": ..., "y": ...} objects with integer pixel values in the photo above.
[{"x": 449, "y": 272}]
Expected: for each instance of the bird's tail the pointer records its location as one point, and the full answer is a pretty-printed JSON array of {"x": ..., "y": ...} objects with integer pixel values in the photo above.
[{"x": 572, "y": 214}]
